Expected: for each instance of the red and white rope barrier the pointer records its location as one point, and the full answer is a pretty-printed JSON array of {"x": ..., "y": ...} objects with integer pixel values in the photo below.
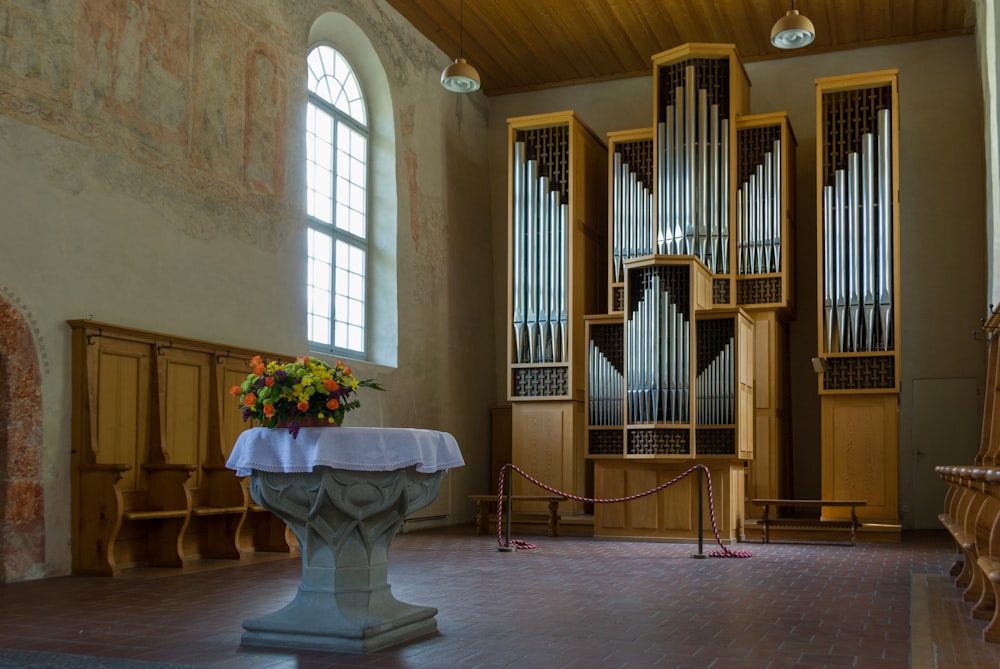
[{"x": 523, "y": 545}]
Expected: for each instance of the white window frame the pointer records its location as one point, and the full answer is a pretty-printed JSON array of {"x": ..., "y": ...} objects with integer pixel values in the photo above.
[{"x": 343, "y": 114}]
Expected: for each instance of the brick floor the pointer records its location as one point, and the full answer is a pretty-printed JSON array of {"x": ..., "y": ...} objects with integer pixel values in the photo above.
[{"x": 572, "y": 602}]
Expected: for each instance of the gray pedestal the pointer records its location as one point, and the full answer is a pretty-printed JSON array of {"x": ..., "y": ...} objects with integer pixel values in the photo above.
[{"x": 344, "y": 521}]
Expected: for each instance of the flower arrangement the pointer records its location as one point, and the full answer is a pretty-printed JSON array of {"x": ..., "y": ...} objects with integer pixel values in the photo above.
[{"x": 294, "y": 393}]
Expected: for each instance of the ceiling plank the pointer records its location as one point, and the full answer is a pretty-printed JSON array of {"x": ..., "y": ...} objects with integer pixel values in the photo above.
[{"x": 520, "y": 45}]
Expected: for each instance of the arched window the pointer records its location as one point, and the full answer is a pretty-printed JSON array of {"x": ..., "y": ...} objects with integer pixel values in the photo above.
[{"x": 337, "y": 196}]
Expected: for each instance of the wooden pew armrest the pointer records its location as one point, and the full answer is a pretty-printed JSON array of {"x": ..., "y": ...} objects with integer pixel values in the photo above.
[
  {"x": 105, "y": 467},
  {"x": 217, "y": 510},
  {"x": 153, "y": 514},
  {"x": 168, "y": 467}
]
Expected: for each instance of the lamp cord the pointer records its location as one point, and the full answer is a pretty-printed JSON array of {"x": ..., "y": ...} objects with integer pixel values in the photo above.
[{"x": 461, "y": 26}]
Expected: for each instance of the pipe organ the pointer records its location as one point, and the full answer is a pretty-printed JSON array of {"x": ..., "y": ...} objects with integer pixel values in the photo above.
[
  {"x": 651, "y": 281},
  {"x": 857, "y": 167},
  {"x": 675, "y": 354},
  {"x": 690, "y": 260}
]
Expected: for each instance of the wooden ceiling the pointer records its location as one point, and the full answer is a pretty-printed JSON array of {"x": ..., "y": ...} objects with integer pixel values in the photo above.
[{"x": 523, "y": 45}]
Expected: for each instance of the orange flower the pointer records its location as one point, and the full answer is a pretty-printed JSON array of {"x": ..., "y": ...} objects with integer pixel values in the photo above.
[
  {"x": 235, "y": 390},
  {"x": 259, "y": 370},
  {"x": 303, "y": 406},
  {"x": 268, "y": 410},
  {"x": 269, "y": 381},
  {"x": 347, "y": 370},
  {"x": 254, "y": 361},
  {"x": 330, "y": 385},
  {"x": 305, "y": 360},
  {"x": 250, "y": 400},
  {"x": 333, "y": 404}
]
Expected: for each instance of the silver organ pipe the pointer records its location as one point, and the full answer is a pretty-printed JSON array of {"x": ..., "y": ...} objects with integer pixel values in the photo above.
[
  {"x": 518, "y": 240},
  {"x": 858, "y": 253},
  {"x": 689, "y": 157},
  {"x": 854, "y": 253},
  {"x": 616, "y": 215},
  {"x": 544, "y": 260},
  {"x": 767, "y": 213},
  {"x": 885, "y": 250},
  {"x": 867, "y": 207},
  {"x": 677, "y": 172},
  {"x": 760, "y": 222},
  {"x": 701, "y": 200},
  {"x": 531, "y": 268},
  {"x": 713, "y": 191},
  {"x": 840, "y": 224},
  {"x": 829, "y": 267},
  {"x": 724, "y": 196},
  {"x": 776, "y": 202}
]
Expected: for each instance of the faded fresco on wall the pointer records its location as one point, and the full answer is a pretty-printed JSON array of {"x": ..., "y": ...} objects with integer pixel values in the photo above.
[{"x": 195, "y": 92}]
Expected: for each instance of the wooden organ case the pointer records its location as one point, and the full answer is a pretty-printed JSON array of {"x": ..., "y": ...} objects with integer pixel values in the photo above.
[
  {"x": 699, "y": 258},
  {"x": 857, "y": 167},
  {"x": 693, "y": 259},
  {"x": 556, "y": 251}
]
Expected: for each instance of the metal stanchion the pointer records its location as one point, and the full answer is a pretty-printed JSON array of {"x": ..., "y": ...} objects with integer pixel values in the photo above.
[
  {"x": 701, "y": 542},
  {"x": 507, "y": 547}
]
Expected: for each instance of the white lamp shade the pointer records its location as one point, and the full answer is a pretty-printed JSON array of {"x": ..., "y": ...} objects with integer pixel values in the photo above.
[
  {"x": 793, "y": 31},
  {"x": 460, "y": 77}
]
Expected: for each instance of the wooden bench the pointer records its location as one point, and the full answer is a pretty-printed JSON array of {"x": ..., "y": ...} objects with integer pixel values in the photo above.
[
  {"x": 487, "y": 502},
  {"x": 148, "y": 478},
  {"x": 766, "y": 522}
]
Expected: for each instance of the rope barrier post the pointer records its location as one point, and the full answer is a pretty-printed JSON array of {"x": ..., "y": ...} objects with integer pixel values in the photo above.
[
  {"x": 701, "y": 541},
  {"x": 508, "y": 487}
]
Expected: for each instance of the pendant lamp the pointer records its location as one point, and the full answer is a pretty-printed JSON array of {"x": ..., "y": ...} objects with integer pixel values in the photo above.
[
  {"x": 460, "y": 77},
  {"x": 793, "y": 31}
]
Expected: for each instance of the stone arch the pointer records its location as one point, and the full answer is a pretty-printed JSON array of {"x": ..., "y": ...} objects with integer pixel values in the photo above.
[{"x": 22, "y": 501}]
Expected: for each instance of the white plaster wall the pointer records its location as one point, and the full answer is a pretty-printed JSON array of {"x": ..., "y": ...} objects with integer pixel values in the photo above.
[
  {"x": 86, "y": 231},
  {"x": 942, "y": 208}
]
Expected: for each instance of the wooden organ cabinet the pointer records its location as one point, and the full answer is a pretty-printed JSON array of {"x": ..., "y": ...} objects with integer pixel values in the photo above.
[
  {"x": 700, "y": 246},
  {"x": 857, "y": 167},
  {"x": 556, "y": 249},
  {"x": 765, "y": 154}
]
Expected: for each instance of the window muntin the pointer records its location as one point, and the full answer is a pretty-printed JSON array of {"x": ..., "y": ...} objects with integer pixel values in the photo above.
[{"x": 337, "y": 151}]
